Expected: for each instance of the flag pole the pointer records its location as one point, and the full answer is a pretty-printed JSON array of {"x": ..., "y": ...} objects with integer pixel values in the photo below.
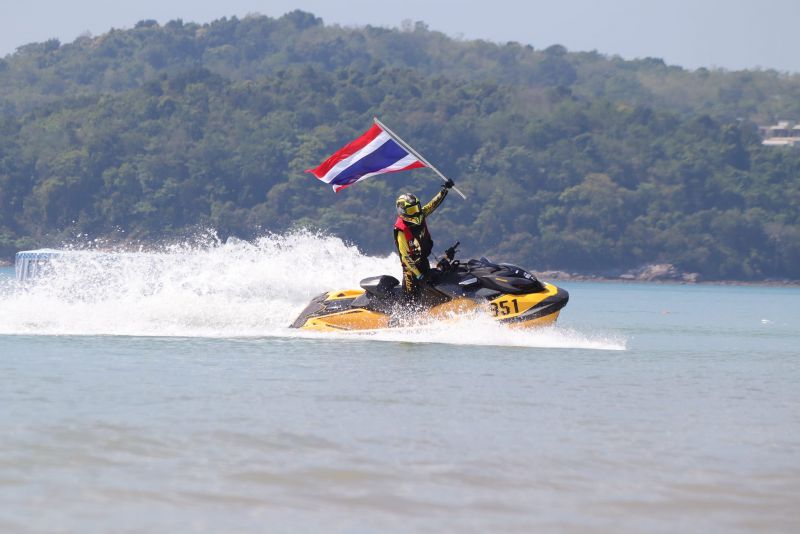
[{"x": 414, "y": 153}]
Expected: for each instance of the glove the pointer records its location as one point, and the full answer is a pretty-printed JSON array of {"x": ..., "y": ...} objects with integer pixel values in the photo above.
[{"x": 448, "y": 184}]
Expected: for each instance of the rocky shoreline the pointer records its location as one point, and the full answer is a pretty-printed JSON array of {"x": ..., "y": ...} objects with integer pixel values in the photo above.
[{"x": 659, "y": 273}]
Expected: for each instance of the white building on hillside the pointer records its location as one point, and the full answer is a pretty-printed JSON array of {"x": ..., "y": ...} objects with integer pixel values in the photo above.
[{"x": 781, "y": 134}]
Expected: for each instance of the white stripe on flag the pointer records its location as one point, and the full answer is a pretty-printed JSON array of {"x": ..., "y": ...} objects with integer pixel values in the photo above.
[
  {"x": 405, "y": 162},
  {"x": 399, "y": 165},
  {"x": 373, "y": 145}
]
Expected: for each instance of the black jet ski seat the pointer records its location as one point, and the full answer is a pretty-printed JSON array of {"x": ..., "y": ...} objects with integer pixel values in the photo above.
[{"x": 380, "y": 286}]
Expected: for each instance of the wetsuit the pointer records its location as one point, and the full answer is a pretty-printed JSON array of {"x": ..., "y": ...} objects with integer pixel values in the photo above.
[{"x": 414, "y": 244}]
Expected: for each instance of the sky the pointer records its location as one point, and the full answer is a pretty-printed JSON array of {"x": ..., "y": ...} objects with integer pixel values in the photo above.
[{"x": 730, "y": 34}]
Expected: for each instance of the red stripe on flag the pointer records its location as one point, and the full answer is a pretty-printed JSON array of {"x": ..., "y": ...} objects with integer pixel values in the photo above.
[{"x": 346, "y": 151}]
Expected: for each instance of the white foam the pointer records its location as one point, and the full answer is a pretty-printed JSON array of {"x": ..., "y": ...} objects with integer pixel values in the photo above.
[
  {"x": 231, "y": 289},
  {"x": 484, "y": 331}
]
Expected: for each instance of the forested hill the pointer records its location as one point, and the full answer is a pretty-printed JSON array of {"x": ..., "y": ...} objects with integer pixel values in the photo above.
[{"x": 570, "y": 160}]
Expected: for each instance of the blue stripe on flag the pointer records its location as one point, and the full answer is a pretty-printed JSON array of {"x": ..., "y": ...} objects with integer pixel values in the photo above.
[{"x": 386, "y": 155}]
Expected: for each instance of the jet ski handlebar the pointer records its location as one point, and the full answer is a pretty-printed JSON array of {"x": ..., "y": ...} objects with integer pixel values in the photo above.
[
  {"x": 447, "y": 260},
  {"x": 450, "y": 253}
]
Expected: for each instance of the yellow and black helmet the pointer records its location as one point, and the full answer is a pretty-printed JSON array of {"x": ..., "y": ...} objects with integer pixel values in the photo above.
[{"x": 409, "y": 209}]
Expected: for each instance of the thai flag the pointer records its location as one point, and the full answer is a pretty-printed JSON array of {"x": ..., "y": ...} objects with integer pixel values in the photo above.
[{"x": 373, "y": 153}]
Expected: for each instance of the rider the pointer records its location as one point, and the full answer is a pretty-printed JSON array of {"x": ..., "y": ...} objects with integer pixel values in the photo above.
[{"x": 412, "y": 238}]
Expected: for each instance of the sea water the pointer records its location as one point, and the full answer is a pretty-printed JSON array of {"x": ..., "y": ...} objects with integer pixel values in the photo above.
[{"x": 163, "y": 392}]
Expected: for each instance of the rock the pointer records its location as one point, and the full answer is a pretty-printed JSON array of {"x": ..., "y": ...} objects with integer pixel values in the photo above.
[
  {"x": 658, "y": 271},
  {"x": 690, "y": 278},
  {"x": 554, "y": 275}
]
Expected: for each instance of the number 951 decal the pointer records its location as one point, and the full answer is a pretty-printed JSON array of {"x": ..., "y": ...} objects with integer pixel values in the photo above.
[{"x": 504, "y": 307}]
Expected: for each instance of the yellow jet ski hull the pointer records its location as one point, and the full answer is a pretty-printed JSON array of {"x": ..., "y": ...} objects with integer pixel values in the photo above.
[{"x": 334, "y": 311}]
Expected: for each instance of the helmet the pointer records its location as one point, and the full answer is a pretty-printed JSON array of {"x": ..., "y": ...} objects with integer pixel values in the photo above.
[{"x": 409, "y": 209}]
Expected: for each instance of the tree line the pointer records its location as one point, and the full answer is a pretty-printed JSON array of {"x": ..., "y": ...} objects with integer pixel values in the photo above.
[{"x": 570, "y": 161}]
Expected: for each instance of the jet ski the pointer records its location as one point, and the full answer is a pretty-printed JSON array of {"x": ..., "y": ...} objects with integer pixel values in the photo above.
[{"x": 506, "y": 292}]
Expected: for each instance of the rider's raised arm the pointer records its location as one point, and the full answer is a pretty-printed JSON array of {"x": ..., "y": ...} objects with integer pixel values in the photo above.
[{"x": 431, "y": 206}]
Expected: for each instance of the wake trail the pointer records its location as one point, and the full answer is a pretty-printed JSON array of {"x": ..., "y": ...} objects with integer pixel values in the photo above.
[{"x": 232, "y": 289}]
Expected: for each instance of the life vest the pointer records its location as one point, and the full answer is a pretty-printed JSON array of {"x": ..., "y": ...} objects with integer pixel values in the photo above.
[{"x": 418, "y": 234}]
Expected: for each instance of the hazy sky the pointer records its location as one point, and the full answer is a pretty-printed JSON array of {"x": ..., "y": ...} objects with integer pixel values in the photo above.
[{"x": 733, "y": 34}]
